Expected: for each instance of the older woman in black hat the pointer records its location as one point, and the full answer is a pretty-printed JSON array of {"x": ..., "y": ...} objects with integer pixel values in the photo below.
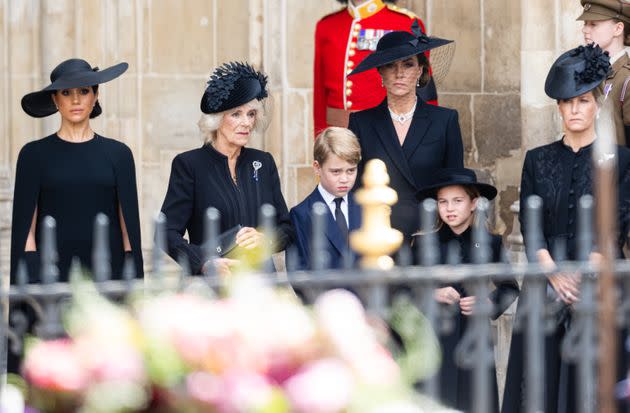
[
  {"x": 560, "y": 173},
  {"x": 413, "y": 138},
  {"x": 73, "y": 175},
  {"x": 224, "y": 173},
  {"x": 457, "y": 193}
]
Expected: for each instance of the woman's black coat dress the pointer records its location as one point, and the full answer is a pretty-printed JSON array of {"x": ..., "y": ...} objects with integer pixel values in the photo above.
[
  {"x": 456, "y": 383},
  {"x": 433, "y": 142},
  {"x": 560, "y": 177},
  {"x": 200, "y": 179},
  {"x": 73, "y": 182}
]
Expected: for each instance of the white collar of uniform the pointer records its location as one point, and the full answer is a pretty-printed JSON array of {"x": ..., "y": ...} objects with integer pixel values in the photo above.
[
  {"x": 328, "y": 197},
  {"x": 366, "y": 9},
  {"x": 618, "y": 56}
]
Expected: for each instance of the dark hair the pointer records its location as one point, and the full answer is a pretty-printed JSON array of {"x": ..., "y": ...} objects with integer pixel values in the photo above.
[
  {"x": 386, "y": 1},
  {"x": 97, "y": 110},
  {"x": 423, "y": 61},
  {"x": 626, "y": 31}
]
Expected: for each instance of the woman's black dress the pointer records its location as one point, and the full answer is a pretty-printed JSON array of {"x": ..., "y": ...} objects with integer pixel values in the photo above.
[
  {"x": 456, "y": 383},
  {"x": 73, "y": 182},
  {"x": 560, "y": 177},
  {"x": 200, "y": 179},
  {"x": 434, "y": 141}
]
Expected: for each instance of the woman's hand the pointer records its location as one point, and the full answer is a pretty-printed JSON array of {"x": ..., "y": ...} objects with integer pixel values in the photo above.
[
  {"x": 248, "y": 237},
  {"x": 446, "y": 295},
  {"x": 467, "y": 304},
  {"x": 567, "y": 286},
  {"x": 221, "y": 265}
]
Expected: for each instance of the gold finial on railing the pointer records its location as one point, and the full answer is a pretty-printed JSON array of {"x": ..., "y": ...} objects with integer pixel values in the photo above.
[{"x": 376, "y": 239}]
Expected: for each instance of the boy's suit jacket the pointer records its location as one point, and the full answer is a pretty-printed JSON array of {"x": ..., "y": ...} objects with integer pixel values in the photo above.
[{"x": 301, "y": 217}]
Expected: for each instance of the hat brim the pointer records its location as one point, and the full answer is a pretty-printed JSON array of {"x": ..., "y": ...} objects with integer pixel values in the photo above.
[
  {"x": 39, "y": 104},
  {"x": 485, "y": 190},
  {"x": 383, "y": 57}
]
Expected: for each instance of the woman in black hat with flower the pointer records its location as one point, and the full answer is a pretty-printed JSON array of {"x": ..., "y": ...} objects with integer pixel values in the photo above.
[
  {"x": 73, "y": 175},
  {"x": 457, "y": 192},
  {"x": 224, "y": 173},
  {"x": 560, "y": 173},
  {"x": 413, "y": 138}
]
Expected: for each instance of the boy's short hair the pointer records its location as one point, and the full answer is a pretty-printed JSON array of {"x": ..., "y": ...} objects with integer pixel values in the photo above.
[{"x": 337, "y": 141}]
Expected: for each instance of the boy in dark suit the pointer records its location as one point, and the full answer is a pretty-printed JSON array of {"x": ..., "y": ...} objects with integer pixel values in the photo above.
[{"x": 336, "y": 155}]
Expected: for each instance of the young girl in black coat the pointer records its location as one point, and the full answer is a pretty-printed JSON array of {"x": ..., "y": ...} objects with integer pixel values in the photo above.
[{"x": 457, "y": 192}]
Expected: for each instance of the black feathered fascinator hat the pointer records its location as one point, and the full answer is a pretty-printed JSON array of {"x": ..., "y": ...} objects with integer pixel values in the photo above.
[
  {"x": 68, "y": 75},
  {"x": 455, "y": 176},
  {"x": 231, "y": 85},
  {"x": 577, "y": 71},
  {"x": 400, "y": 45}
]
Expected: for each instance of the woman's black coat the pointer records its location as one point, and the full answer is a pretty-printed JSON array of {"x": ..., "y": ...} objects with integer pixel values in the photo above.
[
  {"x": 434, "y": 141},
  {"x": 200, "y": 179}
]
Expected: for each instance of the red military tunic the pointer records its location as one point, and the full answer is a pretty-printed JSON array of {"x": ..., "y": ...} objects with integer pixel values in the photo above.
[{"x": 342, "y": 40}]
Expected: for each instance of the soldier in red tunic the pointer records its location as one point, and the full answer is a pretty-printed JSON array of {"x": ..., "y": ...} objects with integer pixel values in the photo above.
[{"x": 342, "y": 40}]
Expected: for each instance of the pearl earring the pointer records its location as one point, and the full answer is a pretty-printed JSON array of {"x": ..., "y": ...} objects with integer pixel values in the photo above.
[{"x": 418, "y": 82}]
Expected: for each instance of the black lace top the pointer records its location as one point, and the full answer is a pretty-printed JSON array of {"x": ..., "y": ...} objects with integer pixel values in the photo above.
[{"x": 560, "y": 177}]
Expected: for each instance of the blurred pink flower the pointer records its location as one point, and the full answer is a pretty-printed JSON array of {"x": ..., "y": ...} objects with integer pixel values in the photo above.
[
  {"x": 107, "y": 361},
  {"x": 344, "y": 324},
  {"x": 55, "y": 365},
  {"x": 232, "y": 392},
  {"x": 324, "y": 386}
]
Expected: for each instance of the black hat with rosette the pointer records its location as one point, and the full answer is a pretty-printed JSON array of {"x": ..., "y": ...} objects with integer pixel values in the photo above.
[
  {"x": 69, "y": 74},
  {"x": 455, "y": 176},
  {"x": 400, "y": 45},
  {"x": 231, "y": 85},
  {"x": 577, "y": 71}
]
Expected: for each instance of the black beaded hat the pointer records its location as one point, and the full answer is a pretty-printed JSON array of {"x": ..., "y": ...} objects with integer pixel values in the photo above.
[
  {"x": 231, "y": 85},
  {"x": 69, "y": 74},
  {"x": 400, "y": 45},
  {"x": 455, "y": 176},
  {"x": 577, "y": 71}
]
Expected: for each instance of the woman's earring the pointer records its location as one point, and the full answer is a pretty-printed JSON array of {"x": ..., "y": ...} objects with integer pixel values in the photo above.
[{"x": 418, "y": 82}]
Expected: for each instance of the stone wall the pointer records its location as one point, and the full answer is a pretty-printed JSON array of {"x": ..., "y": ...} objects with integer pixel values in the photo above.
[{"x": 504, "y": 49}]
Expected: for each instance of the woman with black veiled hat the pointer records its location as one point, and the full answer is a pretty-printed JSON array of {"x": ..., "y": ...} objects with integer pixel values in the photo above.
[
  {"x": 225, "y": 174},
  {"x": 73, "y": 175},
  {"x": 560, "y": 173},
  {"x": 413, "y": 138}
]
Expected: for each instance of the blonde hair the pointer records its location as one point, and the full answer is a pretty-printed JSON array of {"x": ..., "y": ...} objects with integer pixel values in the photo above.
[
  {"x": 337, "y": 141},
  {"x": 209, "y": 123}
]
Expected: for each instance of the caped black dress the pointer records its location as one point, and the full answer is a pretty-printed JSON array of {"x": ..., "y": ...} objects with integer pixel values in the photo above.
[
  {"x": 73, "y": 182},
  {"x": 560, "y": 177},
  {"x": 200, "y": 179},
  {"x": 456, "y": 383}
]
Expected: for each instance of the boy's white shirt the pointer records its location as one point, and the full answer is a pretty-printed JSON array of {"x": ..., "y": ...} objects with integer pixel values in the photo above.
[{"x": 330, "y": 201}]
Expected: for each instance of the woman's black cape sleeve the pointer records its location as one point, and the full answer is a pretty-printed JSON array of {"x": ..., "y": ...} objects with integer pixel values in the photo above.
[
  {"x": 126, "y": 187},
  {"x": 25, "y": 195}
]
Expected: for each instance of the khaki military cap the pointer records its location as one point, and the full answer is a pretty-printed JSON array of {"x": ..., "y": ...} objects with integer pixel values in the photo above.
[{"x": 605, "y": 9}]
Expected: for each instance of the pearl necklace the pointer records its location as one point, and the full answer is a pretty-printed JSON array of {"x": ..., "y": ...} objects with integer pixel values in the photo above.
[{"x": 404, "y": 117}]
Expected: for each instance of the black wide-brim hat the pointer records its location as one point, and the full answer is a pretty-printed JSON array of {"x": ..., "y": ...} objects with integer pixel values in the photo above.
[
  {"x": 399, "y": 45},
  {"x": 455, "y": 176},
  {"x": 69, "y": 74},
  {"x": 231, "y": 85},
  {"x": 577, "y": 71}
]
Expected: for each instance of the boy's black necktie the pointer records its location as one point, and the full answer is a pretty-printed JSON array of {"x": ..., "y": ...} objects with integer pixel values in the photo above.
[{"x": 341, "y": 218}]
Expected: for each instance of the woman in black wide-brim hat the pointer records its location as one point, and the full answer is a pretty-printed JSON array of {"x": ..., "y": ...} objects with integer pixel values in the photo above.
[
  {"x": 560, "y": 173},
  {"x": 413, "y": 138},
  {"x": 457, "y": 192},
  {"x": 225, "y": 174},
  {"x": 73, "y": 175}
]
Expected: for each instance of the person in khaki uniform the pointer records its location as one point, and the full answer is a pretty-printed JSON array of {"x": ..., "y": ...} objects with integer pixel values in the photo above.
[{"x": 607, "y": 23}]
